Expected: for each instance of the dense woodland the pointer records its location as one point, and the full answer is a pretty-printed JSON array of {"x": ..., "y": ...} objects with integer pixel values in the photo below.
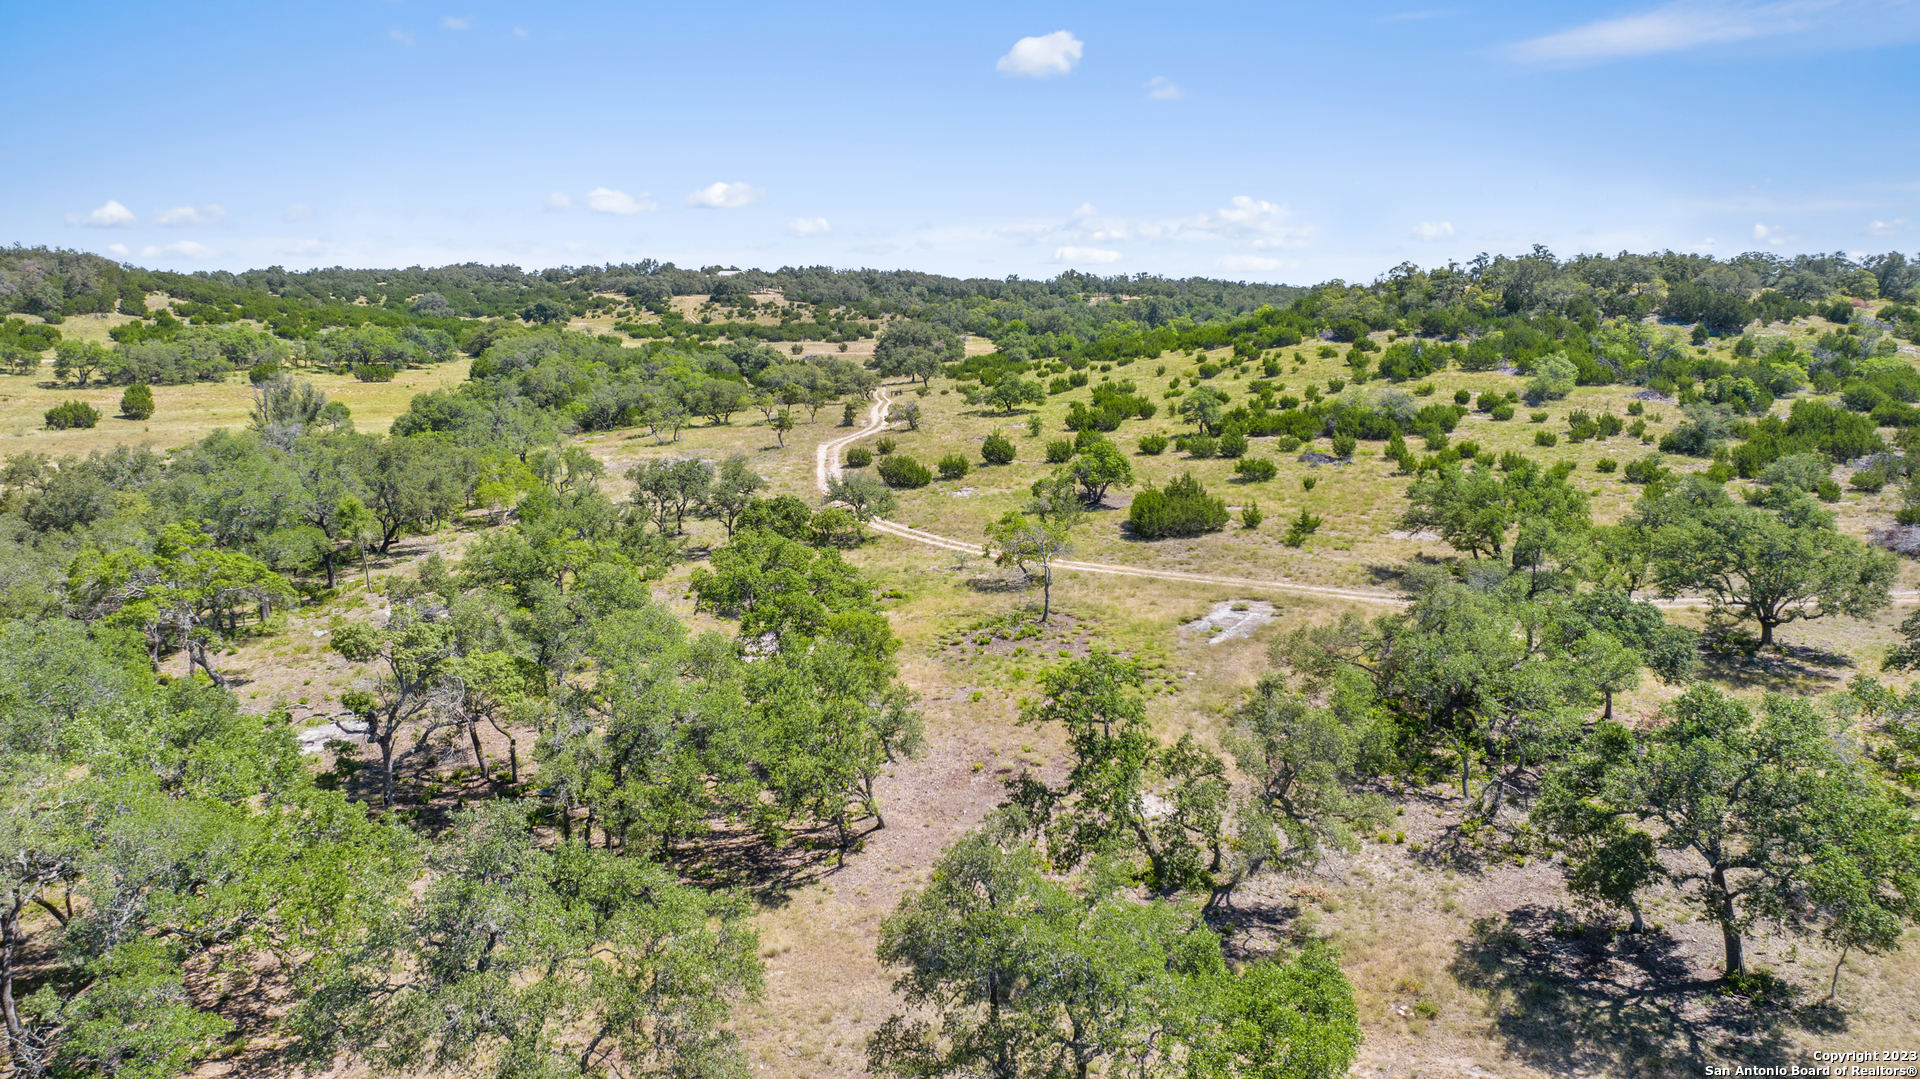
[{"x": 571, "y": 921}]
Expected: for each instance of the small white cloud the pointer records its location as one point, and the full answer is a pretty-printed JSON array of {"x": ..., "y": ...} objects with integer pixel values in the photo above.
[
  {"x": 519, "y": 31},
  {"x": 298, "y": 211},
  {"x": 559, "y": 201},
  {"x": 1888, "y": 228},
  {"x": 1433, "y": 230},
  {"x": 118, "y": 249},
  {"x": 404, "y": 37},
  {"x": 210, "y": 214},
  {"x": 111, "y": 215},
  {"x": 1689, "y": 24},
  {"x": 184, "y": 249},
  {"x": 453, "y": 23},
  {"x": 1042, "y": 57},
  {"x": 1085, "y": 255},
  {"x": 720, "y": 195},
  {"x": 808, "y": 226},
  {"x": 1249, "y": 262},
  {"x": 1161, "y": 88},
  {"x": 608, "y": 201},
  {"x": 1086, "y": 210},
  {"x": 300, "y": 247},
  {"x": 1770, "y": 234}
]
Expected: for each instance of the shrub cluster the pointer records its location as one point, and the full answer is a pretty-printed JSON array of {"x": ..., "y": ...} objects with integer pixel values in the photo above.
[
  {"x": 1181, "y": 508},
  {"x": 859, "y": 457},
  {"x": 900, "y": 470},
  {"x": 997, "y": 449},
  {"x": 72, "y": 414}
]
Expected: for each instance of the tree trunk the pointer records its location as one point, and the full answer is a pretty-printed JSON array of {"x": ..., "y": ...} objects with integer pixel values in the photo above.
[
  {"x": 1608, "y": 714},
  {"x": 1766, "y": 632},
  {"x": 1046, "y": 593},
  {"x": 10, "y": 939},
  {"x": 386, "y": 770},
  {"x": 329, "y": 561},
  {"x": 479, "y": 757},
  {"x": 1729, "y": 932}
]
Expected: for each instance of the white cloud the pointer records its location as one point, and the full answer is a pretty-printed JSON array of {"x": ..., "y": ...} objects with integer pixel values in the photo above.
[
  {"x": 559, "y": 201},
  {"x": 1249, "y": 262},
  {"x": 808, "y": 226},
  {"x": 1085, "y": 255},
  {"x": 1042, "y": 57},
  {"x": 1888, "y": 228},
  {"x": 606, "y": 200},
  {"x": 118, "y": 249},
  {"x": 452, "y": 23},
  {"x": 184, "y": 249},
  {"x": 298, "y": 211},
  {"x": 1161, "y": 88},
  {"x": 110, "y": 215},
  {"x": 1257, "y": 220},
  {"x": 404, "y": 37},
  {"x": 300, "y": 247},
  {"x": 210, "y": 214},
  {"x": 1433, "y": 230},
  {"x": 1770, "y": 234},
  {"x": 1086, "y": 210},
  {"x": 519, "y": 31},
  {"x": 1687, "y": 24},
  {"x": 720, "y": 195}
]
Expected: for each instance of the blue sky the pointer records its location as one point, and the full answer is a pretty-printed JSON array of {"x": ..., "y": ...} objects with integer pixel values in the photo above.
[{"x": 1269, "y": 141}]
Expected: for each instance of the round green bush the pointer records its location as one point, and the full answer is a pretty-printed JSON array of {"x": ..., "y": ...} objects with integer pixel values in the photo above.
[
  {"x": 1182, "y": 508},
  {"x": 71, "y": 414},
  {"x": 1343, "y": 445},
  {"x": 1153, "y": 445},
  {"x": 900, "y": 470},
  {"x": 1501, "y": 412},
  {"x": 1059, "y": 451},
  {"x": 859, "y": 457},
  {"x": 1255, "y": 469},
  {"x": 373, "y": 372},
  {"x": 1233, "y": 443},
  {"x": 1545, "y": 438},
  {"x": 1202, "y": 445},
  {"x": 884, "y": 446},
  {"x": 997, "y": 450},
  {"x": 953, "y": 467},
  {"x": 137, "y": 402},
  {"x": 1605, "y": 464}
]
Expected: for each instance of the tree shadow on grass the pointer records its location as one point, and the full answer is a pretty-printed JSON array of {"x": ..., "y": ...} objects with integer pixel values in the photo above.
[
  {"x": 770, "y": 873},
  {"x": 1580, "y": 1000},
  {"x": 1800, "y": 666}
]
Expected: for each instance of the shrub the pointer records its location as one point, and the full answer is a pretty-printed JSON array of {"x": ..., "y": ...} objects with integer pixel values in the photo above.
[
  {"x": 1610, "y": 425},
  {"x": 900, "y": 470},
  {"x": 1648, "y": 469},
  {"x": 1501, "y": 412},
  {"x": 1201, "y": 445},
  {"x": 1255, "y": 469},
  {"x": 1301, "y": 527},
  {"x": 1828, "y": 490},
  {"x": 1307, "y": 482},
  {"x": 373, "y": 372},
  {"x": 1250, "y": 515},
  {"x": 1233, "y": 443},
  {"x": 1536, "y": 417},
  {"x": 1870, "y": 480},
  {"x": 1335, "y": 385},
  {"x": 262, "y": 372},
  {"x": 1059, "y": 451},
  {"x": 859, "y": 457},
  {"x": 1545, "y": 438},
  {"x": 885, "y": 446},
  {"x": 1343, "y": 445},
  {"x": 953, "y": 466},
  {"x": 1286, "y": 443},
  {"x": 1182, "y": 508},
  {"x": 72, "y": 414},
  {"x": 997, "y": 449},
  {"x": 1635, "y": 408},
  {"x": 1605, "y": 464},
  {"x": 1153, "y": 445},
  {"x": 1461, "y": 397},
  {"x": 137, "y": 402}
]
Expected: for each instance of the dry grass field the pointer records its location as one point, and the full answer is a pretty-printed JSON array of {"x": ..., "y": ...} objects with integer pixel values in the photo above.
[{"x": 1461, "y": 950}]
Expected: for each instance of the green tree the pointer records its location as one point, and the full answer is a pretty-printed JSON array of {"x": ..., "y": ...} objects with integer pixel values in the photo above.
[
  {"x": 409, "y": 657},
  {"x": 672, "y": 488},
  {"x": 865, "y": 495},
  {"x": 1205, "y": 408},
  {"x": 781, "y": 424},
  {"x": 137, "y": 402},
  {"x": 1771, "y": 813},
  {"x": 1774, "y": 569},
  {"x": 1098, "y": 467},
  {"x": 1014, "y": 540},
  {"x": 1012, "y": 391},
  {"x": 733, "y": 488},
  {"x": 520, "y": 960},
  {"x": 1011, "y": 975},
  {"x": 909, "y": 349}
]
